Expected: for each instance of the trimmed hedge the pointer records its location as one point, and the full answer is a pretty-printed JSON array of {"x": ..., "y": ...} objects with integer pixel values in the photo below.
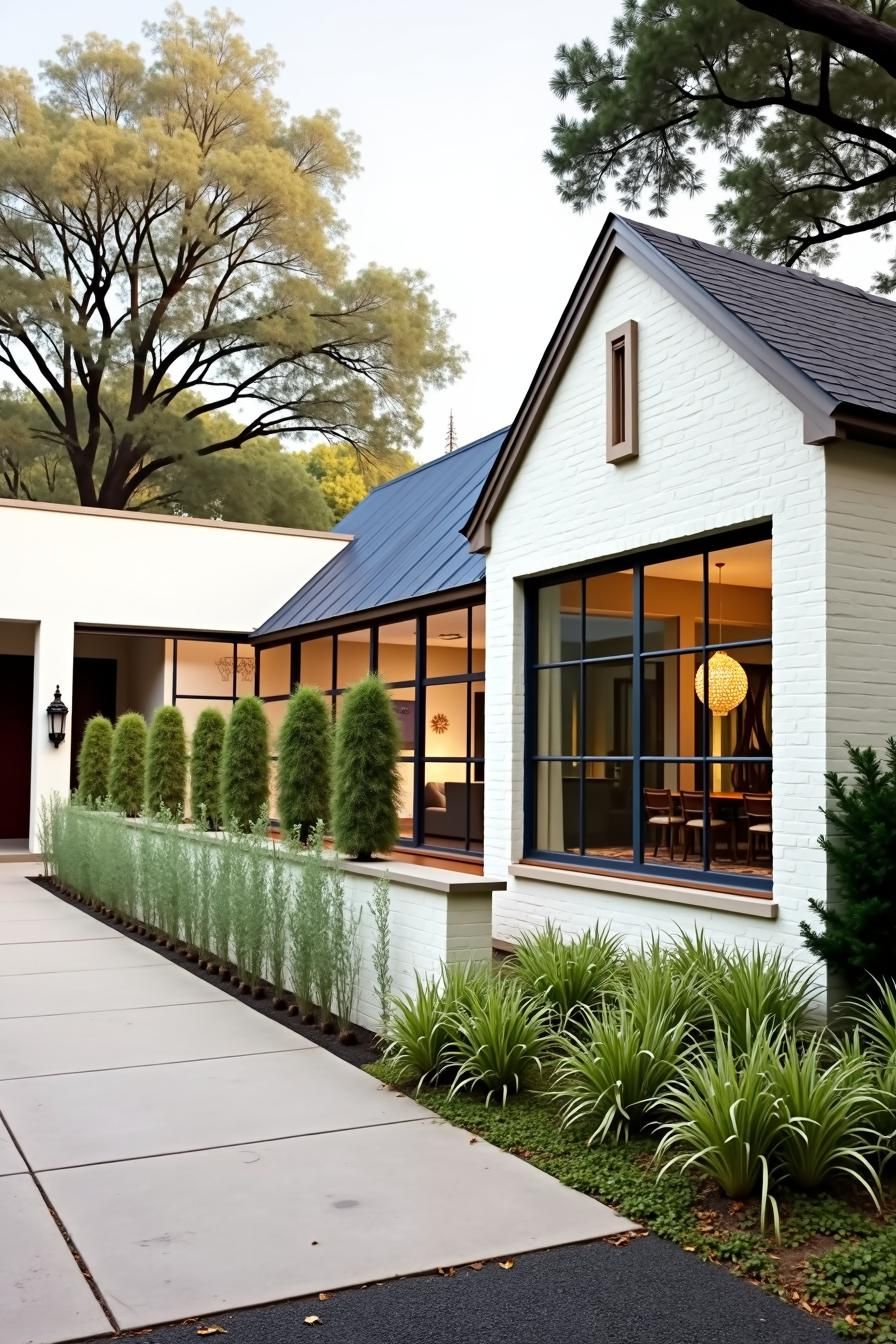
[
  {"x": 245, "y": 764},
  {"x": 205, "y": 767},
  {"x": 127, "y": 773},
  {"x": 94, "y": 760},
  {"x": 304, "y": 752},
  {"x": 367, "y": 786},
  {"x": 166, "y": 763}
]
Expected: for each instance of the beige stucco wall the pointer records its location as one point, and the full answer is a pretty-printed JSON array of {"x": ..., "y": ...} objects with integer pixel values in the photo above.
[{"x": 64, "y": 567}]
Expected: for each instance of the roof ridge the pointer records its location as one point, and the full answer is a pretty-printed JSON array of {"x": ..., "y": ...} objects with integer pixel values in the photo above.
[{"x": 760, "y": 263}]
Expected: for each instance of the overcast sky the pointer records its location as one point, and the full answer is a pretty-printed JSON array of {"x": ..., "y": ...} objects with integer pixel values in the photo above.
[{"x": 454, "y": 111}]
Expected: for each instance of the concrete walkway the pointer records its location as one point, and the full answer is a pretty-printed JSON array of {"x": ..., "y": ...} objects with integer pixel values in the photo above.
[{"x": 190, "y": 1155}]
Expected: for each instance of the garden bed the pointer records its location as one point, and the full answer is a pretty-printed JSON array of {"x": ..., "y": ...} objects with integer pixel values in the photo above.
[{"x": 836, "y": 1259}]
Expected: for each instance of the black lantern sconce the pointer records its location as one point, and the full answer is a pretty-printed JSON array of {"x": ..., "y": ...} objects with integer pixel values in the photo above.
[{"x": 57, "y": 713}]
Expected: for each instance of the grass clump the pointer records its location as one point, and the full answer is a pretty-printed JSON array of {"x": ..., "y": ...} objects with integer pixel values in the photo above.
[
  {"x": 569, "y": 977},
  {"x": 94, "y": 761}
]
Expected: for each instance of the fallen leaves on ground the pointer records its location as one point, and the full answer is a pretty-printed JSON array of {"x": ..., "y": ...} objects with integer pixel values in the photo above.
[
  {"x": 312, "y": 1320},
  {"x": 324, "y": 1297},
  {"x": 448, "y": 1273},
  {"x": 211, "y": 1330},
  {"x": 505, "y": 1264},
  {"x": 477, "y": 1264}
]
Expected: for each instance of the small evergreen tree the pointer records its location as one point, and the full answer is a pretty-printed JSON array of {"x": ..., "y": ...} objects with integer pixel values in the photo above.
[
  {"x": 304, "y": 749},
  {"x": 366, "y": 786},
  {"x": 856, "y": 937},
  {"x": 245, "y": 764},
  {"x": 166, "y": 763},
  {"x": 94, "y": 760},
  {"x": 126, "y": 776},
  {"x": 205, "y": 766}
]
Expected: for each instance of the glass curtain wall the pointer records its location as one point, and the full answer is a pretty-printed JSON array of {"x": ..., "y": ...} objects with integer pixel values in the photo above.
[
  {"x": 649, "y": 713},
  {"x": 433, "y": 665}
]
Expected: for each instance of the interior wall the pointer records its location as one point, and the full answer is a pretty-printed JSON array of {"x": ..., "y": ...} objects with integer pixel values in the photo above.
[
  {"x": 17, "y": 637},
  {"x": 141, "y": 661}
]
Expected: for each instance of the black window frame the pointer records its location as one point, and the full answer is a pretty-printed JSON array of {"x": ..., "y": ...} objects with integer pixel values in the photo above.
[{"x": 636, "y": 562}]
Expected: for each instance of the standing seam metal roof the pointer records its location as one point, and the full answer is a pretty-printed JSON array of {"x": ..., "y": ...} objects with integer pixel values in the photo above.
[{"x": 407, "y": 542}]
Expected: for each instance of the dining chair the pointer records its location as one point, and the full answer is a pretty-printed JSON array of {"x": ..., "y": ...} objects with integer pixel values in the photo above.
[
  {"x": 692, "y": 808},
  {"x": 663, "y": 816},
  {"x": 758, "y": 811}
]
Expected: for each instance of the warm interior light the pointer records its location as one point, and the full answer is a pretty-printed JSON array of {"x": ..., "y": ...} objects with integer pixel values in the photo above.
[
  {"x": 452, "y": 634},
  {"x": 724, "y": 680}
]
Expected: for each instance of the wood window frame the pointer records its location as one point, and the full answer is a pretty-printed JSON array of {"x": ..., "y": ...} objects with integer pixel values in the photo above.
[{"x": 622, "y": 392}]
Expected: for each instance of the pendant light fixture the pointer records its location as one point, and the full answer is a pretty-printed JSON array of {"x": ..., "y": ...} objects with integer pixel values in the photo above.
[{"x": 724, "y": 679}]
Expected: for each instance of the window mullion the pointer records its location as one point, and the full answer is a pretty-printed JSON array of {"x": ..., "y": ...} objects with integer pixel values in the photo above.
[{"x": 637, "y": 691}]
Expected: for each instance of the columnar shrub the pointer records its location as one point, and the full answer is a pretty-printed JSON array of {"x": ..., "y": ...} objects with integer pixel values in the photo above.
[
  {"x": 245, "y": 764},
  {"x": 166, "y": 763},
  {"x": 366, "y": 793},
  {"x": 206, "y": 748},
  {"x": 304, "y": 749},
  {"x": 94, "y": 760},
  {"x": 126, "y": 776}
]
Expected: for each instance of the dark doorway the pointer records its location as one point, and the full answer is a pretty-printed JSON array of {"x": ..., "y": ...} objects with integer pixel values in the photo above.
[
  {"x": 16, "y": 716},
  {"x": 94, "y": 688}
]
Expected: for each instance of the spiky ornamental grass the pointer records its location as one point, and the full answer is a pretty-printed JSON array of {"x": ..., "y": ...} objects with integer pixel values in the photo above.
[
  {"x": 316, "y": 913},
  {"x": 417, "y": 1033},
  {"x": 94, "y": 761},
  {"x": 245, "y": 764},
  {"x": 496, "y": 1040},
  {"x": 300, "y": 947},
  {"x": 166, "y": 763},
  {"x": 48, "y": 830},
  {"x": 128, "y": 769},
  {"x": 206, "y": 748},
  {"x": 343, "y": 929},
  {"x": 760, "y": 985},
  {"x": 570, "y": 977},
  {"x": 279, "y": 902},
  {"x": 366, "y": 782},
  {"x": 304, "y": 760}
]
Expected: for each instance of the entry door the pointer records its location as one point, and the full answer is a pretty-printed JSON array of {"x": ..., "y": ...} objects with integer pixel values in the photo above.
[
  {"x": 93, "y": 692},
  {"x": 16, "y": 713}
]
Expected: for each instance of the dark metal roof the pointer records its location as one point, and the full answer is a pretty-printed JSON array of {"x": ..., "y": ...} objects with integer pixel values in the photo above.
[
  {"x": 407, "y": 543},
  {"x": 839, "y": 336}
]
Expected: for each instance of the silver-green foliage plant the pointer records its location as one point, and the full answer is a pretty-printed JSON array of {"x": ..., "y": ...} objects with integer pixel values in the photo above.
[
  {"x": 300, "y": 954},
  {"x": 48, "y": 830},
  {"x": 567, "y": 976},
  {"x": 611, "y": 1072},
  {"x": 497, "y": 1040},
  {"x": 315, "y": 904},
  {"x": 221, "y": 899},
  {"x": 256, "y": 898},
  {"x": 380, "y": 907},
  {"x": 279, "y": 903},
  {"x": 204, "y": 878},
  {"x": 343, "y": 932}
]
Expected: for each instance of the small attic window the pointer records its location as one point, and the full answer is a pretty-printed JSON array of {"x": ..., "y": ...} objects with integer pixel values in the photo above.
[{"x": 622, "y": 392}]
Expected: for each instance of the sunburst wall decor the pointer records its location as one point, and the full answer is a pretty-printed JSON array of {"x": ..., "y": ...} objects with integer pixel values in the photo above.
[{"x": 439, "y": 723}]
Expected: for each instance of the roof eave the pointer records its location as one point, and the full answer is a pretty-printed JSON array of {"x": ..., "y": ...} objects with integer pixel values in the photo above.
[{"x": 403, "y": 607}]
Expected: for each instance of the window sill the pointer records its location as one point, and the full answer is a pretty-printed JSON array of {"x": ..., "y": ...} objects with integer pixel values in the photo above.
[{"x": 701, "y": 898}]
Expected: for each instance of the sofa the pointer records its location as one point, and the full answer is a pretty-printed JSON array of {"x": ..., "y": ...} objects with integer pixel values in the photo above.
[{"x": 445, "y": 810}]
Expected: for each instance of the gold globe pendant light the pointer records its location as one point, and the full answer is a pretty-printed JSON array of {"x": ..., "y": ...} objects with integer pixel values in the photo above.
[{"x": 724, "y": 680}]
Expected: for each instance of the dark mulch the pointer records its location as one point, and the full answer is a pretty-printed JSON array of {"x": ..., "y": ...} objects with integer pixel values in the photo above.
[{"x": 364, "y": 1052}]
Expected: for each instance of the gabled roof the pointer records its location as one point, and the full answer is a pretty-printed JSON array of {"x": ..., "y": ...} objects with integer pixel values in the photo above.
[
  {"x": 407, "y": 544},
  {"x": 818, "y": 341}
]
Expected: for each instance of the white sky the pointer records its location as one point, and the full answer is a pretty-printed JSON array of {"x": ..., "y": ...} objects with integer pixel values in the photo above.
[{"x": 454, "y": 111}]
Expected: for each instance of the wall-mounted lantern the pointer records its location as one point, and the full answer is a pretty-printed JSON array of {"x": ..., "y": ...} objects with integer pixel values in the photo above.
[{"x": 57, "y": 713}]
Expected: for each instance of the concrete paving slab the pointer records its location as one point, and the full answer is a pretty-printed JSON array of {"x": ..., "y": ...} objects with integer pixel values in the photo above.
[
  {"x": 167, "y": 1237},
  {"x": 14, "y": 908},
  {"x": 44, "y": 1298},
  {"x": 92, "y": 991},
  {"x": 88, "y": 954},
  {"x": 11, "y": 1160},
  {"x": 30, "y": 1046},
  {"x": 79, "y": 1118},
  {"x": 56, "y": 930}
]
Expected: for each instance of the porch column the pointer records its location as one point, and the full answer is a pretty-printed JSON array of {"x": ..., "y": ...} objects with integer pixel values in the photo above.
[{"x": 54, "y": 651}]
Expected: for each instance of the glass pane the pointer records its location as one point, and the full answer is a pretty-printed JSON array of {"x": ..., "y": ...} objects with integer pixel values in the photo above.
[
  {"x": 670, "y": 710},
  {"x": 275, "y": 711},
  {"x": 446, "y": 720},
  {"x": 672, "y": 815},
  {"x": 205, "y": 667},
  {"x": 740, "y": 598},
  {"x": 559, "y": 711},
  {"x": 608, "y": 615},
  {"x": 608, "y": 709},
  {"x": 397, "y": 656},
  {"x": 673, "y": 603},
  {"x": 452, "y": 806},
  {"x": 557, "y": 806},
  {"x": 738, "y": 687},
  {"x": 560, "y": 622},
  {"x": 477, "y": 653},
  {"x": 745, "y": 844},
  {"x": 273, "y": 675},
  {"x": 316, "y": 663},
  {"x": 446, "y": 643},
  {"x": 607, "y": 789},
  {"x": 406, "y": 800},
  {"x": 191, "y": 709},
  {"x": 404, "y": 705},
  {"x": 477, "y": 729},
  {"x": 352, "y": 657}
]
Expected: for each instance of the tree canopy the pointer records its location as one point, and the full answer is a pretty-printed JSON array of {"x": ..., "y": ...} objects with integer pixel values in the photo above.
[
  {"x": 796, "y": 98},
  {"x": 174, "y": 278},
  {"x": 344, "y": 479}
]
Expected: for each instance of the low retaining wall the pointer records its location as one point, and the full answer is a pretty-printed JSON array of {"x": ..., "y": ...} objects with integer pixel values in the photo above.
[{"x": 436, "y": 916}]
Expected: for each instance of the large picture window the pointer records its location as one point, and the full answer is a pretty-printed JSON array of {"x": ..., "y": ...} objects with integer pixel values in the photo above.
[
  {"x": 433, "y": 665},
  {"x": 649, "y": 713}
]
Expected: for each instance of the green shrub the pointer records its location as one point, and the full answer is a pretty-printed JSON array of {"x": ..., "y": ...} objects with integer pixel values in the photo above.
[
  {"x": 245, "y": 764},
  {"x": 206, "y": 749},
  {"x": 416, "y": 1035},
  {"x": 618, "y": 1066},
  {"x": 666, "y": 982},
  {"x": 380, "y": 907},
  {"x": 304, "y": 750},
  {"x": 94, "y": 760},
  {"x": 366, "y": 783},
  {"x": 567, "y": 976},
  {"x": 497, "y": 1040},
  {"x": 855, "y": 938},
  {"x": 726, "y": 1120},
  {"x": 757, "y": 986},
  {"x": 126, "y": 775},
  {"x": 166, "y": 763}
]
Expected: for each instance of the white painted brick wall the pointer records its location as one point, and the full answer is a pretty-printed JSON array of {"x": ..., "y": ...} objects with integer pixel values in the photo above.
[{"x": 719, "y": 448}]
